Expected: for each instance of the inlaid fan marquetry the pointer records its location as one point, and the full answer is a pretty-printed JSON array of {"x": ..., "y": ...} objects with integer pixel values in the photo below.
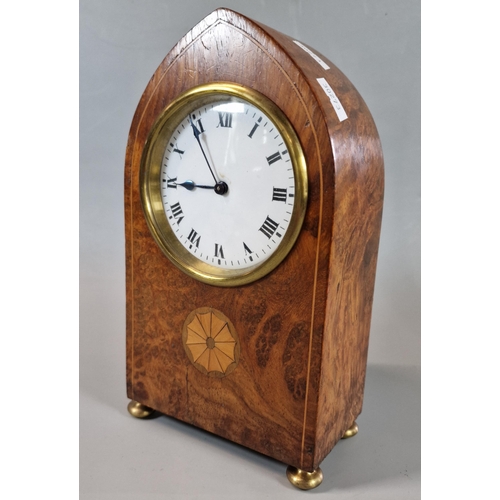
[{"x": 211, "y": 342}]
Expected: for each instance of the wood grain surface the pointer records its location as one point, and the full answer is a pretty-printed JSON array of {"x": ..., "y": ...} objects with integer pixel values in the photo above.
[{"x": 302, "y": 329}]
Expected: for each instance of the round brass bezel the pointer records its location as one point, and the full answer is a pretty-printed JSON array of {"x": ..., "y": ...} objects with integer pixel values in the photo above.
[{"x": 150, "y": 180}]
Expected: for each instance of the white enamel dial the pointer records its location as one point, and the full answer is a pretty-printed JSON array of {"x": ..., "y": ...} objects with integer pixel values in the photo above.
[
  {"x": 227, "y": 183},
  {"x": 223, "y": 183}
]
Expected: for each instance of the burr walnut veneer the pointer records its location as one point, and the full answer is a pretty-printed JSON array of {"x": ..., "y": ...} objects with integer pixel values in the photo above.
[{"x": 296, "y": 340}]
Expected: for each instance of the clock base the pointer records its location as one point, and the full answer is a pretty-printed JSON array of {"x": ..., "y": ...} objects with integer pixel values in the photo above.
[
  {"x": 304, "y": 480},
  {"x": 352, "y": 431},
  {"x": 139, "y": 410}
]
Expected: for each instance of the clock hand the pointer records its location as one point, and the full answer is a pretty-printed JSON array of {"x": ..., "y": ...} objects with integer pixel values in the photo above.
[
  {"x": 197, "y": 134},
  {"x": 190, "y": 185},
  {"x": 220, "y": 186}
]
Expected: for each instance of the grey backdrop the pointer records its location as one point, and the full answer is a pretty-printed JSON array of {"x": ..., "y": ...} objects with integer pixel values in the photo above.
[{"x": 376, "y": 43}]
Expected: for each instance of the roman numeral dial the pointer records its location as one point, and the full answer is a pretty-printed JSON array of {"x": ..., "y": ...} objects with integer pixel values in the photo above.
[{"x": 228, "y": 185}]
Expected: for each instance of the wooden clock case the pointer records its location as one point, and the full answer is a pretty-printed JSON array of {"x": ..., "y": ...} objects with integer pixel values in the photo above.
[{"x": 303, "y": 329}]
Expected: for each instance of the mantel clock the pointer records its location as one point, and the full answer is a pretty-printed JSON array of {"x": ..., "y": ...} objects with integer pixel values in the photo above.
[{"x": 253, "y": 202}]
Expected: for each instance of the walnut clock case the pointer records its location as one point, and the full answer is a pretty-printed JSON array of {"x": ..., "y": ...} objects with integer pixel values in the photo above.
[{"x": 253, "y": 204}]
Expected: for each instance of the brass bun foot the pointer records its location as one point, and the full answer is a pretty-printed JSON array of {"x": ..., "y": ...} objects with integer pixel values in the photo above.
[
  {"x": 303, "y": 479},
  {"x": 139, "y": 410},
  {"x": 352, "y": 431}
]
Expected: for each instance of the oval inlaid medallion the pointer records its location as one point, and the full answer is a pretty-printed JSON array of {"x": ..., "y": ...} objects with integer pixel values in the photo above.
[{"x": 211, "y": 342}]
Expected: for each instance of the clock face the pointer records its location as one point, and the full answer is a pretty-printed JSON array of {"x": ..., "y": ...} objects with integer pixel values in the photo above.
[{"x": 224, "y": 184}]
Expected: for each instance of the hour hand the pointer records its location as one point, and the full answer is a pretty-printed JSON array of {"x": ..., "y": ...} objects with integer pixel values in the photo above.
[
  {"x": 220, "y": 187},
  {"x": 190, "y": 185}
]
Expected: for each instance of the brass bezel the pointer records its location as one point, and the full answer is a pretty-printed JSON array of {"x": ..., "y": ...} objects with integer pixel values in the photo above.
[{"x": 150, "y": 188}]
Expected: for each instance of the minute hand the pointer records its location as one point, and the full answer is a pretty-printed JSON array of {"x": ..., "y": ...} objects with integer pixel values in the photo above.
[{"x": 197, "y": 134}]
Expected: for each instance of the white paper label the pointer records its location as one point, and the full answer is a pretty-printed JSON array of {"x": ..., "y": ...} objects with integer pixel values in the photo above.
[
  {"x": 337, "y": 106},
  {"x": 313, "y": 55}
]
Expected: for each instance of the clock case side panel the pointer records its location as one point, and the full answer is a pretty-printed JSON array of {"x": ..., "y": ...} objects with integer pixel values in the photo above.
[
  {"x": 129, "y": 229},
  {"x": 358, "y": 199},
  {"x": 359, "y": 192},
  {"x": 283, "y": 349},
  {"x": 359, "y": 178}
]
